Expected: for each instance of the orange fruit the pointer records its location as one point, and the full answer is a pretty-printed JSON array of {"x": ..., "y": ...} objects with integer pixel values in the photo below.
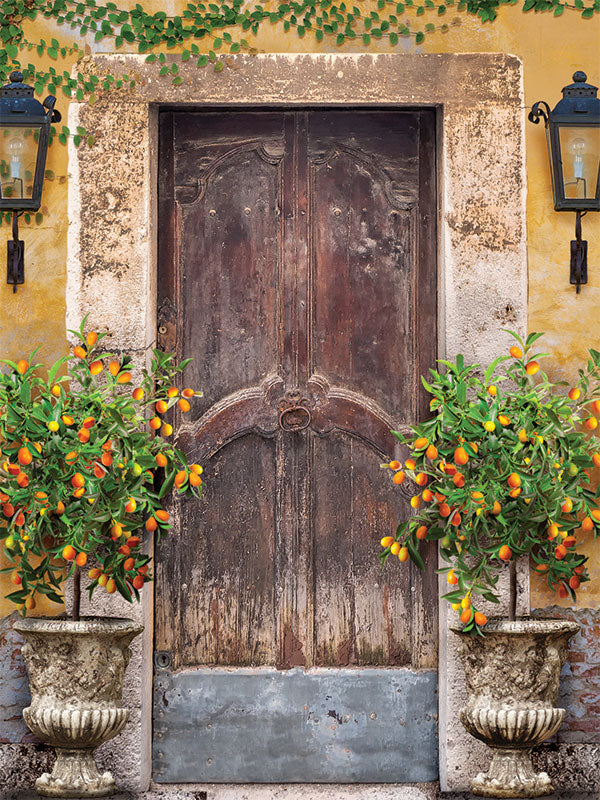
[
  {"x": 596, "y": 459},
  {"x": 20, "y": 519},
  {"x": 503, "y": 419},
  {"x": 395, "y": 548},
  {"x": 574, "y": 393},
  {"x": 114, "y": 368},
  {"x": 574, "y": 582},
  {"x": 492, "y": 390},
  {"x": 91, "y": 338},
  {"x": 22, "y": 366},
  {"x": 116, "y": 530},
  {"x": 78, "y": 480},
  {"x": 591, "y": 423},
  {"x": 480, "y": 619},
  {"x": 81, "y": 559},
  {"x": 515, "y": 492},
  {"x": 505, "y": 553},
  {"x": 560, "y": 552},
  {"x": 151, "y": 524},
  {"x": 60, "y": 508},
  {"x": 420, "y": 443},
  {"x": 477, "y": 497},
  {"x": 30, "y": 603},
  {"x": 24, "y": 456},
  {"x": 569, "y": 541},
  {"x": 71, "y": 457},
  {"x": 99, "y": 472},
  {"x": 53, "y": 425},
  {"x": 79, "y": 492},
  {"x": 107, "y": 459},
  {"x": 188, "y": 393},
  {"x": 460, "y": 456},
  {"x": 514, "y": 480},
  {"x": 595, "y": 512},
  {"x": 427, "y": 495},
  {"x": 394, "y": 465},
  {"x": 444, "y": 510},
  {"x": 172, "y": 391},
  {"x": 133, "y": 541},
  {"x": 79, "y": 352},
  {"x": 16, "y": 578},
  {"x": 131, "y": 506},
  {"x": 403, "y": 554},
  {"x": 596, "y": 406},
  {"x": 421, "y": 479},
  {"x": 124, "y": 550},
  {"x": 399, "y": 477},
  {"x": 67, "y": 419},
  {"x": 111, "y": 586},
  {"x": 96, "y": 367},
  {"x": 387, "y": 541},
  {"x": 69, "y": 552},
  {"x": 124, "y": 377},
  {"x": 459, "y": 480},
  {"x": 587, "y": 525},
  {"x": 195, "y": 480},
  {"x": 553, "y": 531},
  {"x": 138, "y": 581},
  {"x": 163, "y": 516},
  {"x": 161, "y": 406},
  {"x": 523, "y": 435},
  {"x": 562, "y": 591},
  {"x": 180, "y": 478},
  {"x": 161, "y": 460},
  {"x": 410, "y": 463},
  {"x": 451, "y": 578},
  {"x": 415, "y": 502},
  {"x": 138, "y": 394},
  {"x": 88, "y": 422},
  {"x": 455, "y": 519},
  {"x": 431, "y": 452},
  {"x": 541, "y": 568},
  {"x": 22, "y": 480},
  {"x": 129, "y": 564},
  {"x": 532, "y": 367},
  {"x": 155, "y": 423},
  {"x": 196, "y": 469},
  {"x": 567, "y": 506},
  {"x": 515, "y": 351},
  {"x": 83, "y": 435},
  {"x": 94, "y": 573},
  {"x": 489, "y": 426},
  {"x": 183, "y": 404},
  {"x": 421, "y": 532},
  {"x": 449, "y": 469},
  {"x": 466, "y": 615},
  {"x": 8, "y": 509},
  {"x": 166, "y": 429},
  {"x": 102, "y": 579},
  {"x": 55, "y": 390}
]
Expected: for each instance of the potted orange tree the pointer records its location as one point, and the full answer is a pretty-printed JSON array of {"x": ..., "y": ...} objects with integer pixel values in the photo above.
[
  {"x": 501, "y": 471},
  {"x": 86, "y": 466}
]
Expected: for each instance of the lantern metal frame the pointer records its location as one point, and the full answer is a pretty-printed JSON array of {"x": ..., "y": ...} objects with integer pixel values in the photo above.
[
  {"x": 579, "y": 108},
  {"x": 19, "y": 109}
]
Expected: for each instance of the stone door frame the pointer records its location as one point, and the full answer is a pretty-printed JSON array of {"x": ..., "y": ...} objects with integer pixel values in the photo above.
[{"x": 482, "y": 274}]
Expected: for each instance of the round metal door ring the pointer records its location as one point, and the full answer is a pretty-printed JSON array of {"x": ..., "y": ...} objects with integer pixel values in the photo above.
[{"x": 295, "y": 418}]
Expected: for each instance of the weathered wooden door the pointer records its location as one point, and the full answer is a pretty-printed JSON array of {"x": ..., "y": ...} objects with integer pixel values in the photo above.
[{"x": 297, "y": 268}]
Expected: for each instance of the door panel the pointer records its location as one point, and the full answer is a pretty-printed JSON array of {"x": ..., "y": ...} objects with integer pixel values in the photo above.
[{"x": 297, "y": 269}]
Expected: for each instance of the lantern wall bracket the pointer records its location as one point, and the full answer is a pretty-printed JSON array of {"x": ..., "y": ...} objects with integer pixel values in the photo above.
[
  {"x": 579, "y": 248},
  {"x": 15, "y": 264}
]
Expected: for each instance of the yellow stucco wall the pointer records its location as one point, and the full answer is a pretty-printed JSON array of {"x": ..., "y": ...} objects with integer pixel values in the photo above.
[{"x": 551, "y": 50}]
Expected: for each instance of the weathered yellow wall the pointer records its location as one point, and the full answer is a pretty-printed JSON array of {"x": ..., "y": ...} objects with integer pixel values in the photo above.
[{"x": 551, "y": 50}]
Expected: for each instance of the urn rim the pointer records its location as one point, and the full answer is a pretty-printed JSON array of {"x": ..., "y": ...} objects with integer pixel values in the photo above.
[
  {"x": 104, "y": 626},
  {"x": 525, "y": 626}
]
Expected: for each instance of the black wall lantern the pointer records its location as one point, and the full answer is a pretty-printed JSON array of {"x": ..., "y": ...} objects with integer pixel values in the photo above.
[
  {"x": 24, "y": 136},
  {"x": 573, "y": 134}
]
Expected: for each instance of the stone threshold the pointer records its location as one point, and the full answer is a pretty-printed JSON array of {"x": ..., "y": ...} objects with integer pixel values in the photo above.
[{"x": 297, "y": 792}]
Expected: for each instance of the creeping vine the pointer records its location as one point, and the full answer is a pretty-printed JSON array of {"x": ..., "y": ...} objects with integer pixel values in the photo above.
[{"x": 208, "y": 33}]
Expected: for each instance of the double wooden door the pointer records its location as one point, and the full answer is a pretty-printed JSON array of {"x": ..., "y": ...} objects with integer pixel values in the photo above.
[{"x": 297, "y": 267}]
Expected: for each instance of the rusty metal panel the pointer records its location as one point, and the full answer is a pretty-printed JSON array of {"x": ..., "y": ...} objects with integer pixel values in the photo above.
[{"x": 268, "y": 726}]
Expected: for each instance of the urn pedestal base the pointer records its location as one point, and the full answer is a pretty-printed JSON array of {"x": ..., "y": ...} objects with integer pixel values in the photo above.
[
  {"x": 75, "y": 774},
  {"x": 511, "y": 774}
]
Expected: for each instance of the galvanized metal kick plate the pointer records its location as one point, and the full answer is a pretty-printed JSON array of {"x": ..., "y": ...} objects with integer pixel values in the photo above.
[{"x": 219, "y": 725}]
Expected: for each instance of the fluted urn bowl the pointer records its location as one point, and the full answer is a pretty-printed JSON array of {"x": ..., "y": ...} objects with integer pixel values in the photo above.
[
  {"x": 76, "y": 679},
  {"x": 512, "y": 676}
]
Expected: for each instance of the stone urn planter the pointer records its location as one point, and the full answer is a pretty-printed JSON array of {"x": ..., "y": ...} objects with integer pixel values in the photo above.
[
  {"x": 512, "y": 676},
  {"x": 76, "y": 680}
]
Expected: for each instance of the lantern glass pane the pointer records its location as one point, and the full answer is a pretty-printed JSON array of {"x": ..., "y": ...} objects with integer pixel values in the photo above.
[
  {"x": 18, "y": 156},
  {"x": 580, "y": 153}
]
